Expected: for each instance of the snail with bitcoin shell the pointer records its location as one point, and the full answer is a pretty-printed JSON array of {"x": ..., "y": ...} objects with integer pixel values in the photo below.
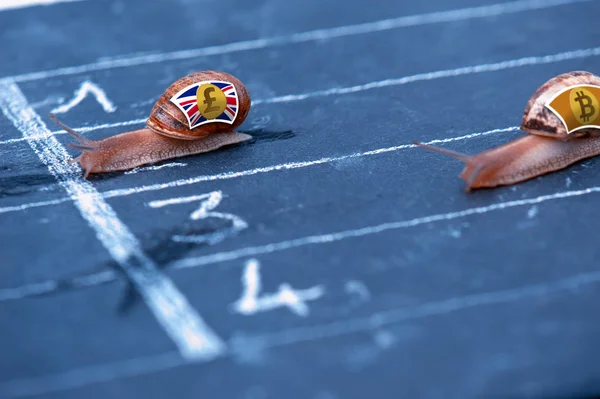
[
  {"x": 547, "y": 147},
  {"x": 198, "y": 113}
]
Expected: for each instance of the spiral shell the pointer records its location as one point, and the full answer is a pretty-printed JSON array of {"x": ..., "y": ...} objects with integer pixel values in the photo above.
[
  {"x": 168, "y": 120},
  {"x": 539, "y": 120}
]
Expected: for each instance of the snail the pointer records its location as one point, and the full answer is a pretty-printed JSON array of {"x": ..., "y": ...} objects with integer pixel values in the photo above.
[
  {"x": 197, "y": 113},
  {"x": 546, "y": 148}
]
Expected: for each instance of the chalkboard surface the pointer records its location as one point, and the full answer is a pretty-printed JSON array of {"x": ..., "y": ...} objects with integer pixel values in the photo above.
[{"x": 327, "y": 258}]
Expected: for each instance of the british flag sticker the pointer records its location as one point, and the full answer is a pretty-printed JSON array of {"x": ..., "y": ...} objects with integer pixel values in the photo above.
[{"x": 208, "y": 101}]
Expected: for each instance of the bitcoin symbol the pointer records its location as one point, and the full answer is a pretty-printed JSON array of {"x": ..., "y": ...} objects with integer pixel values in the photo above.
[
  {"x": 584, "y": 105},
  {"x": 211, "y": 101}
]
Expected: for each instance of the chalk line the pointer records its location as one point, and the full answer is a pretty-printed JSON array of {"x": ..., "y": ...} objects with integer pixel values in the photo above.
[
  {"x": 12, "y": 4},
  {"x": 31, "y": 289},
  {"x": 468, "y": 70},
  {"x": 89, "y": 375},
  {"x": 240, "y": 344},
  {"x": 446, "y": 73},
  {"x": 286, "y": 166},
  {"x": 368, "y": 230},
  {"x": 155, "y": 167},
  {"x": 179, "y": 200},
  {"x": 255, "y": 171},
  {"x": 303, "y": 37},
  {"x": 83, "y": 129},
  {"x": 22, "y": 207},
  {"x": 182, "y": 323},
  {"x": 51, "y": 286}
]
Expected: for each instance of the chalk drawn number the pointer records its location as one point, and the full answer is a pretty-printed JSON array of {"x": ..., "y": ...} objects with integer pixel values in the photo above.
[
  {"x": 86, "y": 87},
  {"x": 250, "y": 302},
  {"x": 208, "y": 202}
]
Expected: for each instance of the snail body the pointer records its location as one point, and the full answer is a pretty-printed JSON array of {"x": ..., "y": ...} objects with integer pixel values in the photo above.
[
  {"x": 167, "y": 133},
  {"x": 546, "y": 148}
]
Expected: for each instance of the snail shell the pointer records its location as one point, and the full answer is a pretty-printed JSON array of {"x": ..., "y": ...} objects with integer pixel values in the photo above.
[
  {"x": 539, "y": 120},
  {"x": 546, "y": 148},
  {"x": 167, "y": 134},
  {"x": 165, "y": 118}
]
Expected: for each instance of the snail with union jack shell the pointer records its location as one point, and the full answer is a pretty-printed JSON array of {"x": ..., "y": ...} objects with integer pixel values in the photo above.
[
  {"x": 547, "y": 147},
  {"x": 197, "y": 113}
]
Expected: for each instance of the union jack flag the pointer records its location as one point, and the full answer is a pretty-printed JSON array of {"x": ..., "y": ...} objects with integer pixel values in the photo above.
[{"x": 187, "y": 101}]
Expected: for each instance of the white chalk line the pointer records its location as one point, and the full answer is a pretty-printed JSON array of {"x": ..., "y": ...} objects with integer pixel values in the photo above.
[
  {"x": 427, "y": 76},
  {"x": 304, "y": 37},
  {"x": 83, "y": 129},
  {"x": 51, "y": 286},
  {"x": 31, "y": 289},
  {"x": 242, "y": 344},
  {"x": 366, "y": 231},
  {"x": 181, "y": 200},
  {"x": 22, "y": 207},
  {"x": 153, "y": 167},
  {"x": 287, "y": 166},
  {"x": 89, "y": 375},
  {"x": 468, "y": 70},
  {"x": 255, "y": 171},
  {"x": 12, "y": 4},
  {"x": 182, "y": 323}
]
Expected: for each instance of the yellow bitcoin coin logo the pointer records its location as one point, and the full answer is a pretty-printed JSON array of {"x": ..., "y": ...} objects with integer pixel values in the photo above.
[
  {"x": 211, "y": 101},
  {"x": 584, "y": 105}
]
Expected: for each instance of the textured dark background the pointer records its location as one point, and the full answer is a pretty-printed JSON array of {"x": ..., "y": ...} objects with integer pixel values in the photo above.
[{"x": 498, "y": 304}]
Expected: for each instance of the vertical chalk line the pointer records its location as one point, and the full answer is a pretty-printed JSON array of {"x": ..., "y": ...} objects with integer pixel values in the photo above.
[{"x": 183, "y": 324}]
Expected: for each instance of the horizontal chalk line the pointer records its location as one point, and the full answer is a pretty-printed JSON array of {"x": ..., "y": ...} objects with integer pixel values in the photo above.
[
  {"x": 468, "y": 70},
  {"x": 284, "y": 166},
  {"x": 420, "y": 77},
  {"x": 25, "y": 291},
  {"x": 303, "y": 37},
  {"x": 255, "y": 171},
  {"x": 365, "y": 231},
  {"x": 16, "y": 208},
  {"x": 90, "y": 375},
  {"x": 84, "y": 129},
  {"x": 241, "y": 344}
]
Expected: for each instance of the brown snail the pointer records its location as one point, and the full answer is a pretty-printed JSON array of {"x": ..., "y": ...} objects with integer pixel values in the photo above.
[
  {"x": 197, "y": 113},
  {"x": 546, "y": 148}
]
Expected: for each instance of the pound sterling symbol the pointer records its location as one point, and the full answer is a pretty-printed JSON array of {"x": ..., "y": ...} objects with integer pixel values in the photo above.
[
  {"x": 208, "y": 100},
  {"x": 211, "y": 101}
]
